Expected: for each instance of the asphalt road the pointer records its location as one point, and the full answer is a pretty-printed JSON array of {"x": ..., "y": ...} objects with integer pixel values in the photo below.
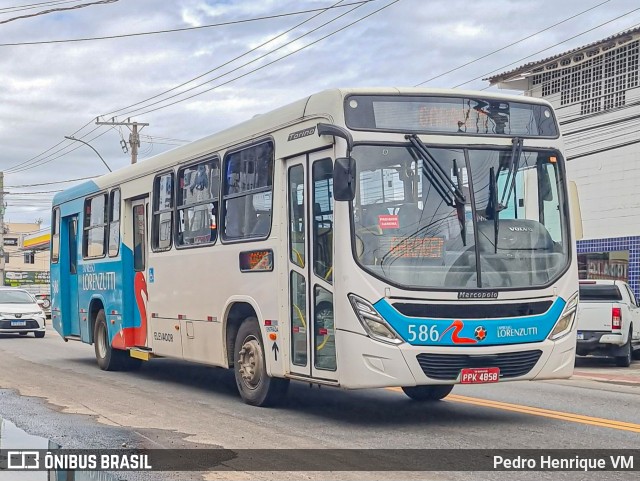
[{"x": 54, "y": 389}]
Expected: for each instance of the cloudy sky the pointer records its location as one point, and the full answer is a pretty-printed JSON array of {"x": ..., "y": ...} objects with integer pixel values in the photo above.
[{"x": 190, "y": 83}]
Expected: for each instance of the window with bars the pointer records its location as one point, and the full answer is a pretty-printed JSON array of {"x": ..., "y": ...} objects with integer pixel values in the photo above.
[{"x": 596, "y": 84}]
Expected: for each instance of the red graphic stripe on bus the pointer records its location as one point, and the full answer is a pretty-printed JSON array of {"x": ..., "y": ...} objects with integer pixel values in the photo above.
[
  {"x": 457, "y": 326},
  {"x": 135, "y": 336}
]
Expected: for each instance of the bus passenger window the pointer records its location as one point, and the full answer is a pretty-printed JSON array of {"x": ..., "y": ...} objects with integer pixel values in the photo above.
[
  {"x": 296, "y": 215},
  {"x": 95, "y": 226},
  {"x": 138, "y": 238},
  {"x": 323, "y": 219},
  {"x": 198, "y": 203},
  {"x": 55, "y": 236},
  {"x": 114, "y": 222},
  {"x": 248, "y": 192},
  {"x": 162, "y": 212}
]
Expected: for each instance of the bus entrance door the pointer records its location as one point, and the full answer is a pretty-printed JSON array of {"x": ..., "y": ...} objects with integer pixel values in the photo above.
[
  {"x": 140, "y": 268},
  {"x": 310, "y": 253},
  {"x": 69, "y": 289}
]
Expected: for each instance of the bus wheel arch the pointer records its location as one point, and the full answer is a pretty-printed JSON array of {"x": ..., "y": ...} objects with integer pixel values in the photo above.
[
  {"x": 95, "y": 307},
  {"x": 235, "y": 314}
]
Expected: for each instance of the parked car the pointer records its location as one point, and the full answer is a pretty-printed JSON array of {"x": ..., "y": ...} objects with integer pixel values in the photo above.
[
  {"x": 608, "y": 321},
  {"x": 20, "y": 312},
  {"x": 46, "y": 303}
]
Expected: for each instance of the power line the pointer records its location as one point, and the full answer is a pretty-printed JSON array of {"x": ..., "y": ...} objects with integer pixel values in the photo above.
[
  {"x": 511, "y": 44},
  {"x": 183, "y": 29},
  {"x": 49, "y": 159},
  {"x": 60, "y": 9},
  {"x": 227, "y": 62},
  {"x": 37, "y": 163},
  {"x": 32, "y": 6},
  {"x": 272, "y": 62},
  {"x": 548, "y": 48},
  {"x": 48, "y": 183},
  {"x": 33, "y": 193},
  {"x": 19, "y": 164},
  {"x": 235, "y": 69}
]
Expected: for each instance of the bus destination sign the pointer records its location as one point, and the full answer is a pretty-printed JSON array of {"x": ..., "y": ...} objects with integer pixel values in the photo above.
[{"x": 449, "y": 115}]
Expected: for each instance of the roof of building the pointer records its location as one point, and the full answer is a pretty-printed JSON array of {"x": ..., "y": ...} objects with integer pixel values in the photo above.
[{"x": 613, "y": 40}]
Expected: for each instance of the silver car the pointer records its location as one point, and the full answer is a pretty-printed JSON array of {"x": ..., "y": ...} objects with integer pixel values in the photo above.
[{"x": 20, "y": 313}]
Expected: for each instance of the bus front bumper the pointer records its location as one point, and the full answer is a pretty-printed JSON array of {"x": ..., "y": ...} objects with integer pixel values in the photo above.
[{"x": 374, "y": 364}]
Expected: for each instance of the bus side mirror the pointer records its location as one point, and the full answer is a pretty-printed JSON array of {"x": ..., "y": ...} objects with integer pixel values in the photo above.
[
  {"x": 344, "y": 184},
  {"x": 574, "y": 208}
]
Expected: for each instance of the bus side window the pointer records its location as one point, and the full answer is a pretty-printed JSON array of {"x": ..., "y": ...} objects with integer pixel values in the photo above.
[
  {"x": 323, "y": 219},
  {"x": 248, "y": 192},
  {"x": 162, "y": 212},
  {"x": 114, "y": 222},
  {"x": 55, "y": 236},
  {"x": 95, "y": 227},
  {"x": 197, "y": 203}
]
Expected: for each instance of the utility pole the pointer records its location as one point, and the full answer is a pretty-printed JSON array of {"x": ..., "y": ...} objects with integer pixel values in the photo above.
[
  {"x": 2, "y": 266},
  {"x": 134, "y": 137}
]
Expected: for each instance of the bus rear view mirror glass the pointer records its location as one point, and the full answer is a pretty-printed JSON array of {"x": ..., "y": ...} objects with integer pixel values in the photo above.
[{"x": 344, "y": 185}]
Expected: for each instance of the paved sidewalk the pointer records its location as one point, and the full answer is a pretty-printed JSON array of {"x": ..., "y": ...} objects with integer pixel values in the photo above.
[{"x": 605, "y": 370}]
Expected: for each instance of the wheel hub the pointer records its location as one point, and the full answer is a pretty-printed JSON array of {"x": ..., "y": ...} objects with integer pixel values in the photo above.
[
  {"x": 250, "y": 363},
  {"x": 102, "y": 343}
]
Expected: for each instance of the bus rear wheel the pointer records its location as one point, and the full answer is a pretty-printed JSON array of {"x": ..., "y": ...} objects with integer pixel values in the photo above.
[
  {"x": 428, "y": 393},
  {"x": 110, "y": 359},
  {"x": 255, "y": 386}
]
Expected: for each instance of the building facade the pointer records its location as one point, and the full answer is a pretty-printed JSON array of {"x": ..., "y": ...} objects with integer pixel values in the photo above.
[
  {"x": 595, "y": 91},
  {"x": 25, "y": 262}
]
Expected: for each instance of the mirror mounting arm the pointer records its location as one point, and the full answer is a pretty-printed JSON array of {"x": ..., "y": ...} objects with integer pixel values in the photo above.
[{"x": 336, "y": 131}]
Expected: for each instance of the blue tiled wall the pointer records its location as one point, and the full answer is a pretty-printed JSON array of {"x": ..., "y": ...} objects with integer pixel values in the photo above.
[{"x": 631, "y": 244}]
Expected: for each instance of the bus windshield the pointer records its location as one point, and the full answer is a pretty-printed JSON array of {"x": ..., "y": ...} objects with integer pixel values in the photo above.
[{"x": 493, "y": 221}]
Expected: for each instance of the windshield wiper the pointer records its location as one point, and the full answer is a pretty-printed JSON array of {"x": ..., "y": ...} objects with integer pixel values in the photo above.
[
  {"x": 492, "y": 207},
  {"x": 450, "y": 192},
  {"x": 514, "y": 165},
  {"x": 460, "y": 206}
]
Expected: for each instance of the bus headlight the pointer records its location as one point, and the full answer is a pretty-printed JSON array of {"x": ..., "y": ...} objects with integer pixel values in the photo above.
[
  {"x": 567, "y": 318},
  {"x": 372, "y": 322}
]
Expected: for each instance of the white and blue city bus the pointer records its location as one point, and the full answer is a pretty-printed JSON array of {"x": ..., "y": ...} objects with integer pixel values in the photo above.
[{"x": 360, "y": 238}]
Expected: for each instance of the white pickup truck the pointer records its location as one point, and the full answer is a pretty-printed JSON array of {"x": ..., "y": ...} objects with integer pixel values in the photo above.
[{"x": 608, "y": 321}]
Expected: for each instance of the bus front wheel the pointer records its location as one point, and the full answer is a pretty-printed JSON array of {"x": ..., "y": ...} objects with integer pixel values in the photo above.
[
  {"x": 254, "y": 385},
  {"x": 428, "y": 393}
]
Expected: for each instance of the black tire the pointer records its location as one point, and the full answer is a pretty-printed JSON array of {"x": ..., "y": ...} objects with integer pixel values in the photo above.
[
  {"x": 625, "y": 361},
  {"x": 428, "y": 393},
  {"x": 110, "y": 359},
  {"x": 102, "y": 347},
  {"x": 255, "y": 387},
  {"x": 39, "y": 334}
]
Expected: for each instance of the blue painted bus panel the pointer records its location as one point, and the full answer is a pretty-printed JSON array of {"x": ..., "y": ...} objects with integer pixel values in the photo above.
[{"x": 471, "y": 332}]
